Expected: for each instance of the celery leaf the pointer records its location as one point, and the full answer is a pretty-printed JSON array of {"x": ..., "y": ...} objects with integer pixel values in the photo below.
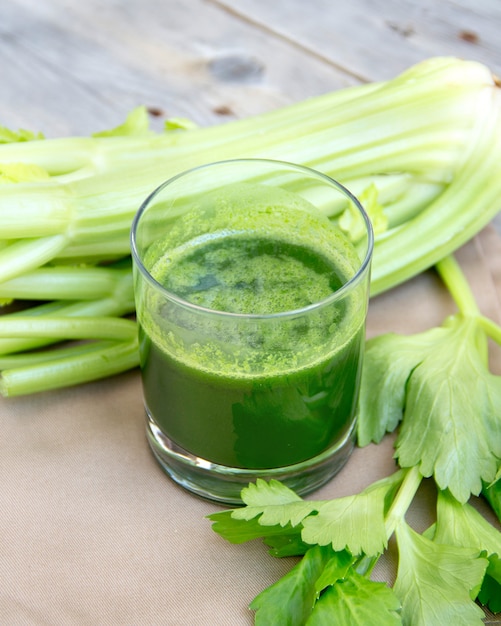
[
  {"x": 374, "y": 209},
  {"x": 438, "y": 383},
  {"x": 451, "y": 427},
  {"x": 262, "y": 493},
  {"x": 274, "y": 503},
  {"x": 136, "y": 123},
  {"x": 273, "y": 513},
  {"x": 356, "y": 601},
  {"x": 355, "y": 523},
  {"x": 240, "y": 531},
  {"x": 22, "y": 173},
  {"x": 492, "y": 493},
  {"x": 291, "y": 599},
  {"x": 284, "y": 543},
  {"x": 336, "y": 569},
  {"x": 282, "y": 540},
  {"x": 388, "y": 363},
  {"x": 490, "y": 592},
  {"x": 462, "y": 525},
  {"x": 12, "y": 136},
  {"x": 287, "y": 523},
  {"x": 179, "y": 123},
  {"x": 351, "y": 221},
  {"x": 434, "y": 581}
]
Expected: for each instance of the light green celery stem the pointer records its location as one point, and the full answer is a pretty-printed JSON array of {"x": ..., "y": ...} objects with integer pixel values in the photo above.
[
  {"x": 402, "y": 196},
  {"x": 60, "y": 327},
  {"x": 69, "y": 155},
  {"x": 96, "y": 251},
  {"x": 66, "y": 283},
  {"x": 422, "y": 80},
  {"x": 457, "y": 285},
  {"x": 435, "y": 125},
  {"x": 105, "y": 211},
  {"x": 12, "y": 345},
  {"x": 27, "y": 254},
  {"x": 396, "y": 514},
  {"x": 398, "y": 509},
  {"x": 467, "y": 204},
  {"x": 491, "y": 329},
  {"x": 35, "y": 209},
  {"x": 57, "y": 156},
  {"x": 411, "y": 195},
  {"x": 72, "y": 370},
  {"x": 403, "y": 499},
  {"x": 352, "y": 150},
  {"x": 435, "y": 81},
  {"x": 460, "y": 290},
  {"x": 119, "y": 304},
  {"x": 418, "y": 195},
  {"x": 36, "y": 357}
]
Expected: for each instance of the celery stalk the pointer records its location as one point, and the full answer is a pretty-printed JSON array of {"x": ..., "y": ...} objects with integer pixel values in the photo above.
[
  {"x": 24, "y": 255},
  {"x": 68, "y": 327},
  {"x": 66, "y": 283},
  {"x": 80, "y": 367},
  {"x": 36, "y": 357},
  {"x": 120, "y": 303},
  {"x": 466, "y": 205}
]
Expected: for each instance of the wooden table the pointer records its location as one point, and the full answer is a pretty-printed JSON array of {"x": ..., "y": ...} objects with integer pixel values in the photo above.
[{"x": 77, "y": 66}]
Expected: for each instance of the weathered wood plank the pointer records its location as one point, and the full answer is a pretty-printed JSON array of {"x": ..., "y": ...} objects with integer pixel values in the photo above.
[{"x": 376, "y": 39}]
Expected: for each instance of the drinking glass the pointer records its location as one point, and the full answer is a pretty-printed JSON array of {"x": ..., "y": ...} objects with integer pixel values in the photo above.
[{"x": 251, "y": 280}]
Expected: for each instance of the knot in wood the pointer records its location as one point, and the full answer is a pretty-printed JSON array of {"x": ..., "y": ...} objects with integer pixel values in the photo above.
[{"x": 236, "y": 68}]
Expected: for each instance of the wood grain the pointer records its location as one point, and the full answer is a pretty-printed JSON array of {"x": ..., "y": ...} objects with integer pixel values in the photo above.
[
  {"x": 376, "y": 39},
  {"x": 75, "y": 67}
]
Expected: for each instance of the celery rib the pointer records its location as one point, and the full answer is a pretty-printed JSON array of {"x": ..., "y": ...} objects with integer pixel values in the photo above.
[
  {"x": 490, "y": 328},
  {"x": 27, "y": 254},
  {"x": 35, "y": 209},
  {"x": 65, "y": 283},
  {"x": 68, "y": 327},
  {"x": 36, "y": 357},
  {"x": 466, "y": 205},
  {"x": 79, "y": 368},
  {"x": 121, "y": 303},
  {"x": 403, "y": 499},
  {"x": 457, "y": 285}
]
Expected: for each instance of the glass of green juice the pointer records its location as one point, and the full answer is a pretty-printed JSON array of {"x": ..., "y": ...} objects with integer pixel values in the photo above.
[{"x": 251, "y": 299}]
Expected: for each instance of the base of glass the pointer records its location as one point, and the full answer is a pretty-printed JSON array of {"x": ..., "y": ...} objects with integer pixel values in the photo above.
[{"x": 224, "y": 484}]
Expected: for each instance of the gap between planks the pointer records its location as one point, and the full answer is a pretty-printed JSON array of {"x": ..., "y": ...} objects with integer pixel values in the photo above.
[{"x": 285, "y": 38}]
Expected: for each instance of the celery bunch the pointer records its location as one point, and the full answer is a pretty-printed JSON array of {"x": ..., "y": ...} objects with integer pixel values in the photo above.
[{"x": 422, "y": 150}]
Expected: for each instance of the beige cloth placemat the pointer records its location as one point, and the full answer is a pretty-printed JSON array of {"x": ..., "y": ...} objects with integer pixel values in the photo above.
[{"x": 92, "y": 532}]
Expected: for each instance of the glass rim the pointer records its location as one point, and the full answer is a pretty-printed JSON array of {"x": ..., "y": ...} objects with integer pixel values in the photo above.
[{"x": 335, "y": 295}]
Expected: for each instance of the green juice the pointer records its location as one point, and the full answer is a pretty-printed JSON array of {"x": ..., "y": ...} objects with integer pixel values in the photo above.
[{"x": 262, "y": 387}]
